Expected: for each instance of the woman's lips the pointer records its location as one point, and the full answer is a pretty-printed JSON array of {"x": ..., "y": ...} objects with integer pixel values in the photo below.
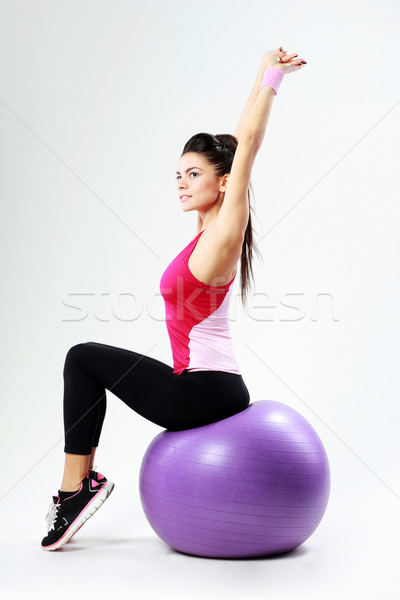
[{"x": 184, "y": 198}]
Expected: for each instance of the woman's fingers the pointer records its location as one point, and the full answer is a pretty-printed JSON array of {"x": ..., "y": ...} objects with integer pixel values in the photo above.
[
  {"x": 291, "y": 60},
  {"x": 289, "y": 57}
]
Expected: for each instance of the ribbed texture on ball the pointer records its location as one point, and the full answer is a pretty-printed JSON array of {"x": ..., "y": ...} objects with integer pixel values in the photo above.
[{"x": 254, "y": 484}]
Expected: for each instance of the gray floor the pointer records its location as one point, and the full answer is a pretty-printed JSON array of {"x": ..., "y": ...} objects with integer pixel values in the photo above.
[{"x": 353, "y": 553}]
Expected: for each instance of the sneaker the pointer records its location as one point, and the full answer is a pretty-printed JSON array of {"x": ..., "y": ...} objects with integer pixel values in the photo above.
[
  {"x": 93, "y": 474},
  {"x": 97, "y": 476},
  {"x": 65, "y": 517}
]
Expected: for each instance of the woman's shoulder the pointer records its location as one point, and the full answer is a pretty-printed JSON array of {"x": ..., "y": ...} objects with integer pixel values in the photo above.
[{"x": 212, "y": 262}]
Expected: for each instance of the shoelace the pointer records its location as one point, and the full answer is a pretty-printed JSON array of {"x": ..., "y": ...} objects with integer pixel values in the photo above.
[
  {"x": 52, "y": 515},
  {"x": 53, "y": 510}
]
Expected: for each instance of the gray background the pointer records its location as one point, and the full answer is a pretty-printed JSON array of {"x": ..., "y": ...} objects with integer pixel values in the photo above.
[{"x": 97, "y": 100}]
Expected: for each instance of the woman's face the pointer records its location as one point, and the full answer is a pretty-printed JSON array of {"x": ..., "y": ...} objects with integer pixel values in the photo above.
[{"x": 197, "y": 181}]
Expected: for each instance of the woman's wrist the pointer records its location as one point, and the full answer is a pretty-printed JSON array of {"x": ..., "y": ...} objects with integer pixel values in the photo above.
[{"x": 272, "y": 76}]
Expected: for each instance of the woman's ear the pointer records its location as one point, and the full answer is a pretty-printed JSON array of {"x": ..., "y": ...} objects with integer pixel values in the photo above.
[{"x": 224, "y": 183}]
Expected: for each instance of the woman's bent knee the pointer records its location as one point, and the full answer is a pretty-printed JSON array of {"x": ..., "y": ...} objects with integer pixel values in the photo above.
[{"x": 75, "y": 355}]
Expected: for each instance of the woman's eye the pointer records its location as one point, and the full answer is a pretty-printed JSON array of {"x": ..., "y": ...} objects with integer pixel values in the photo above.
[{"x": 191, "y": 173}]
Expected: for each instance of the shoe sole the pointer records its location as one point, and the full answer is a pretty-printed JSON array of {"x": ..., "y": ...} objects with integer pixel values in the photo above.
[
  {"x": 110, "y": 489},
  {"x": 87, "y": 512}
]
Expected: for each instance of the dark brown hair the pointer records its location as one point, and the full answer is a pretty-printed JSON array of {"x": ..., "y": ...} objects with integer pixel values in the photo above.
[{"x": 219, "y": 150}]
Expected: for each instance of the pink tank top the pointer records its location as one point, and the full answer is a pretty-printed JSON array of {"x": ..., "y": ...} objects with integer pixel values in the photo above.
[{"x": 197, "y": 318}]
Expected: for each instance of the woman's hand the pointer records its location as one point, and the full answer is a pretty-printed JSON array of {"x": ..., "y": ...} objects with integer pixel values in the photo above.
[{"x": 280, "y": 59}]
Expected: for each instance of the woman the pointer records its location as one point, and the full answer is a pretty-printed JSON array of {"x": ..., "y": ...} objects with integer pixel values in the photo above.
[{"x": 205, "y": 384}]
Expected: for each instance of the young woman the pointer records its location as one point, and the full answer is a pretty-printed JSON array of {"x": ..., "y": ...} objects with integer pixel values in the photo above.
[{"x": 205, "y": 384}]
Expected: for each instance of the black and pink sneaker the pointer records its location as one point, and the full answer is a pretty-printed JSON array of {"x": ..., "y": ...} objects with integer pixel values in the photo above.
[
  {"x": 65, "y": 517},
  {"x": 97, "y": 476}
]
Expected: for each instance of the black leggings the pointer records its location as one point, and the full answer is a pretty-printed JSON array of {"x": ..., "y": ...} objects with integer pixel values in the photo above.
[{"x": 148, "y": 386}]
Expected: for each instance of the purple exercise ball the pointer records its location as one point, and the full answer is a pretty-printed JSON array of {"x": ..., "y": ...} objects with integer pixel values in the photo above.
[{"x": 254, "y": 484}]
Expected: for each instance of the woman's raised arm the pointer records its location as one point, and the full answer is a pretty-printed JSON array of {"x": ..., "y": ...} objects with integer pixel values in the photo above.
[
  {"x": 253, "y": 95},
  {"x": 231, "y": 223},
  {"x": 254, "y": 118}
]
